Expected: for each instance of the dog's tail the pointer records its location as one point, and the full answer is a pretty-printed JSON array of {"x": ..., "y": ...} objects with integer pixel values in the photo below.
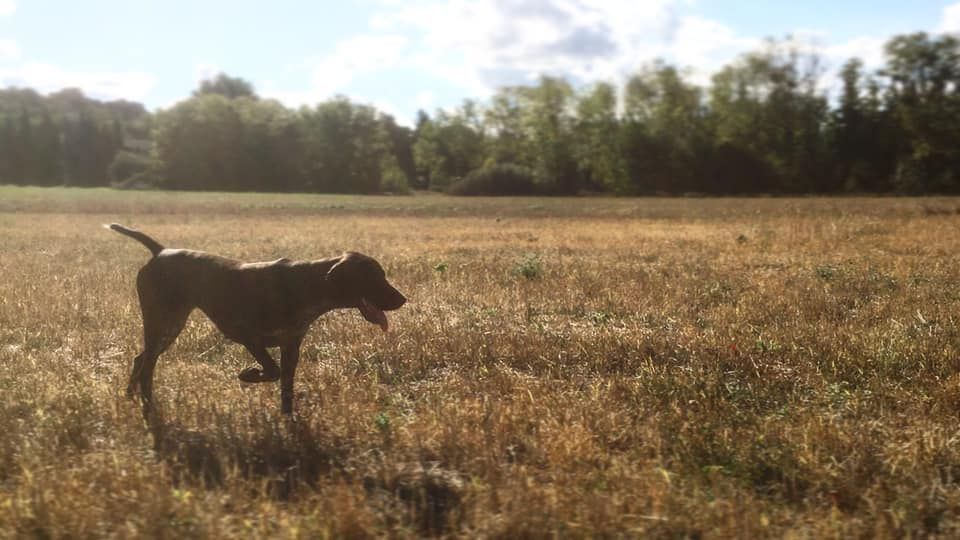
[{"x": 151, "y": 244}]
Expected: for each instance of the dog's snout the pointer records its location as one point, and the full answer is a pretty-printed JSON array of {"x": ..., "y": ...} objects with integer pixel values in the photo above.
[{"x": 395, "y": 300}]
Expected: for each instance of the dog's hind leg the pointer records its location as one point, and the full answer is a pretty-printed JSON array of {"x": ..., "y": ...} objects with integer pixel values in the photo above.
[
  {"x": 163, "y": 319},
  {"x": 158, "y": 334}
]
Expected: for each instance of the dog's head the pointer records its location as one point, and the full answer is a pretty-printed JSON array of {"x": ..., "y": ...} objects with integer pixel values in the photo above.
[{"x": 359, "y": 281}]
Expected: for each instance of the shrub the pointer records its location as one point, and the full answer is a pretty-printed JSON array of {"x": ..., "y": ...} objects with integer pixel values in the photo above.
[
  {"x": 529, "y": 267},
  {"x": 126, "y": 165},
  {"x": 142, "y": 180},
  {"x": 732, "y": 169},
  {"x": 393, "y": 179},
  {"x": 499, "y": 179}
]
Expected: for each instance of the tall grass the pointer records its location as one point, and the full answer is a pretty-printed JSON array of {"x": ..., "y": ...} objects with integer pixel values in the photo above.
[{"x": 668, "y": 368}]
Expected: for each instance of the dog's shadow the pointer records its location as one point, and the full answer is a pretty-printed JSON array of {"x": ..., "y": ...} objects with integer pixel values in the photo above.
[
  {"x": 288, "y": 460},
  {"x": 281, "y": 460},
  {"x": 191, "y": 455},
  {"x": 285, "y": 460}
]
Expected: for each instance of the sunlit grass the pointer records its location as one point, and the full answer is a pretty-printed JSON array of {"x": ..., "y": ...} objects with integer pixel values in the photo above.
[{"x": 725, "y": 368}]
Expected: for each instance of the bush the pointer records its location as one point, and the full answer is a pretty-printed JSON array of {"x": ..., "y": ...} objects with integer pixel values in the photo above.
[
  {"x": 393, "y": 180},
  {"x": 732, "y": 169},
  {"x": 142, "y": 180},
  {"x": 499, "y": 179},
  {"x": 529, "y": 267},
  {"x": 126, "y": 165}
]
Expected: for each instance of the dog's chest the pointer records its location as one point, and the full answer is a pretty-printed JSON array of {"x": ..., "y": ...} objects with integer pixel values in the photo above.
[{"x": 269, "y": 326}]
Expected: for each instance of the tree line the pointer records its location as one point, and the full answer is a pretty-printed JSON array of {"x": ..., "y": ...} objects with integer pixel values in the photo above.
[{"x": 765, "y": 124}]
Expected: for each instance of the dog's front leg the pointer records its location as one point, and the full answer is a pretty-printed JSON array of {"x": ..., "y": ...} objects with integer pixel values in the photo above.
[
  {"x": 289, "y": 357},
  {"x": 269, "y": 370}
]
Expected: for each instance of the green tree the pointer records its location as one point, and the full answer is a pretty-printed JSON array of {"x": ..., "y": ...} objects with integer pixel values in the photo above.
[
  {"x": 63, "y": 138},
  {"x": 426, "y": 154},
  {"x": 450, "y": 145},
  {"x": 88, "y": 149},
  {"x": 8, "y": 136},
  {"x": 923, "y": 75},
  {"x": 863, "y": 143},
  {"x": 23, "y": 165},
  {"x": 47, "y": 155},
  {"x": 270, "y": 147},
  {"x": 666, "y": 135},
  {"x": 402, "y": 140},
  {"x": 768, "y": 104},
  {"x": 226, "y": 86},
  {"x": 546, "y": 112},
  {"x": 598, "y": 140},
  {"x": 197, "y": 143},
  {"x": 213, "y": 142},
  {"x": 347, "y": 147},
  {"x": 503, "y": 121}
]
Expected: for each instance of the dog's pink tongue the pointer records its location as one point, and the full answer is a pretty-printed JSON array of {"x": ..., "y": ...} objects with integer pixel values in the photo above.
[{"x": 374, "y": 315}]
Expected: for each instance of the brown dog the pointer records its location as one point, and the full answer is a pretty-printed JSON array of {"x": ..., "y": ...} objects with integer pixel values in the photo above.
[{"x": 258, "y": 305}]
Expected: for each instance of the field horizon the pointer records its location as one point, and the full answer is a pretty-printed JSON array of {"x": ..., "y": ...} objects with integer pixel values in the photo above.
[{"x": 574, "y": 367}]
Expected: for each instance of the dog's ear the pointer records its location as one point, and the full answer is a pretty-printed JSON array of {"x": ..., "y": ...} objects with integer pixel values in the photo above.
[
  {"x": 339, "y": 270},
  {"x": 358, "y": 277},
  {"x": 343, "y": 273}
]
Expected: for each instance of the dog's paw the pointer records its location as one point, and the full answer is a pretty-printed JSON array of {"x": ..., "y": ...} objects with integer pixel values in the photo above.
[{"x": 256, "y": 375}]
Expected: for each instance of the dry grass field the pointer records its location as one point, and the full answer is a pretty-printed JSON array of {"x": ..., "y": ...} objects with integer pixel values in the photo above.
[{"x": 565, "y": 368}]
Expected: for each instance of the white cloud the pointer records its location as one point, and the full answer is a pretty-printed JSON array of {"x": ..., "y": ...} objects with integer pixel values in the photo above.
[
  {"x": 290, "y": 98},
  {"x": 203, "y": 71},
  {"x": 866, "y": 48},
  {"x": 101, "y": 84},
  {"x": 9, "y": 49},
  {"x": 425, "y": 100},
  {"x": 389, "y": 107},
  {"x": 354, "y": 57},
  {"x": 332, "y": 74},
  {"x": 950, "y": 20},
  {"x": 46, "y": 78},
  {"x": 705, "y": 46},
  {"x": 473, "y": 47},
  {"x": 479, "y": 45}
]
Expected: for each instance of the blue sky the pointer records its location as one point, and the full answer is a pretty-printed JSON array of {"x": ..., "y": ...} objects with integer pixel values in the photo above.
[{"x": 402, "y": 55}]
